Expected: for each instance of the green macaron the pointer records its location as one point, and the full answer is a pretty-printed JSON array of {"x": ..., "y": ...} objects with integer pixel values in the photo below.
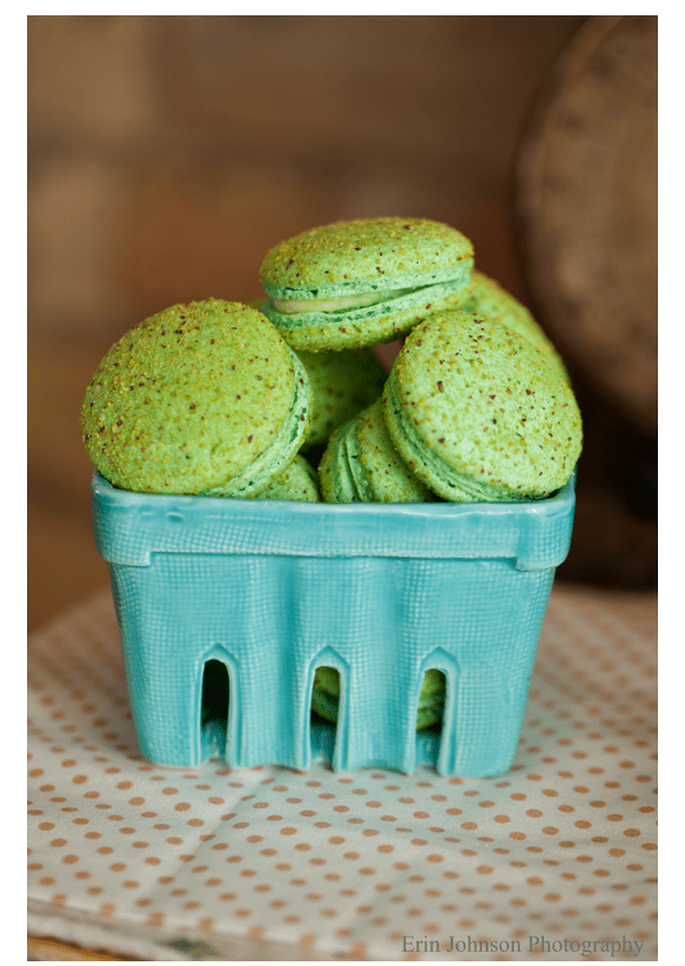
[
  {"x": 298, "y": 481},
  {"x": 202, "y": 398},
  {"x": 479, "y": 413},
  {"x": 326, "y": 696},
  {"x": 364, "y": 282},
  {"x": 490, "y": 300},
  {"x": 343, "y": 383},
  {"x": 361, "y": 465}
]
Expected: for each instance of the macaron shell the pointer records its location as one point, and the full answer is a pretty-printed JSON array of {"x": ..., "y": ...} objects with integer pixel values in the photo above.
[
  {"x": 490, "y": 300},
  {"x": 343, "y": 383},
  {"x": 364, "y": 255},
  {"x": 192, "y": 398},
  {"x": 336, "y": 480},
  {"x": 298, "y": 481},
  {"x": 389, "y": 478},
  {"x": 479, "y": 414}
]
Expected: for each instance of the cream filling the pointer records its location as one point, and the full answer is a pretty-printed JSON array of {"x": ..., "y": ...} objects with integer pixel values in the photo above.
[{"x": 296, "y": 306}]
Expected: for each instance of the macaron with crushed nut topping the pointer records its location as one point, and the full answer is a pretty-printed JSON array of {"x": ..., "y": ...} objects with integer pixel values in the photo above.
[
  {"x": 298, "y": 481},
  {"x": 489, "y": 299},
  {"x": 364, "y": 282},
  {"x": 479, "y": 414},
  {"x": 361, "y": 465},
  {"x": 343, "y": 383},
  {"x": 203, "y": 398}
]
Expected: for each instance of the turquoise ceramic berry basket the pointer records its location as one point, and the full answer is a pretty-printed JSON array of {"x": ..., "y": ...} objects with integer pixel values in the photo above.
[{"x": 264, "y": 592}]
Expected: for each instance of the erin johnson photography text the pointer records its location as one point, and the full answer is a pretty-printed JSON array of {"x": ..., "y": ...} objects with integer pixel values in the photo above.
[{"x": 537, "y": 945}]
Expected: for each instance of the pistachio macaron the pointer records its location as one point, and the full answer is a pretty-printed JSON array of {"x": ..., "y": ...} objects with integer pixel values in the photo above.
[
  {"x": 326, "y": 696},
  {"x": 361, "y": 465},
  {"x": 364, "y": 282},
  {"x": 491, "y": 300},
  {"x": 479, "y": 413},
  {"x": 343, "y": 383},
  {"x": 298, "y": 481},
  {"x": 203, "y": 398}
]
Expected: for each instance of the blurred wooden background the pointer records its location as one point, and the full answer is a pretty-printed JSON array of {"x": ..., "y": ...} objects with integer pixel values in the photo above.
[{"x": 168, "y": 154}]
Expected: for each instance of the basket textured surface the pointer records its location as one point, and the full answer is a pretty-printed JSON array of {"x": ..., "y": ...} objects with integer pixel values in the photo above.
[{"x": 272, "y": 590}]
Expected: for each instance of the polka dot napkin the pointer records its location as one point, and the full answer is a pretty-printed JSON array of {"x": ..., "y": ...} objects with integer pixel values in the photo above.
[{"x": 554, "y": 861}]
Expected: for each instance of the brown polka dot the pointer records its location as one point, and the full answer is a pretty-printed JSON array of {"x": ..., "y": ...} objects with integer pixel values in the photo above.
[{"x": 182, "y": 806}]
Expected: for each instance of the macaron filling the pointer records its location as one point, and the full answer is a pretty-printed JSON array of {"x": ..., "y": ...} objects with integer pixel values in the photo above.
[
  {"x": 383, "y": 286},
  {"x": 425, "y": 299},
  {"x": 294, "y": 306}
]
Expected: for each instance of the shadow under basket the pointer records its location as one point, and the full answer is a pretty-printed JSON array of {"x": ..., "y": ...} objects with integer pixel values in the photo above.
[{"x": 227, "y": 607}]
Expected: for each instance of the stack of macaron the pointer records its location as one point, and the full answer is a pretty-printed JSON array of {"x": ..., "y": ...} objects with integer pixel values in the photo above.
[{"x": 285, "y": 399}]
